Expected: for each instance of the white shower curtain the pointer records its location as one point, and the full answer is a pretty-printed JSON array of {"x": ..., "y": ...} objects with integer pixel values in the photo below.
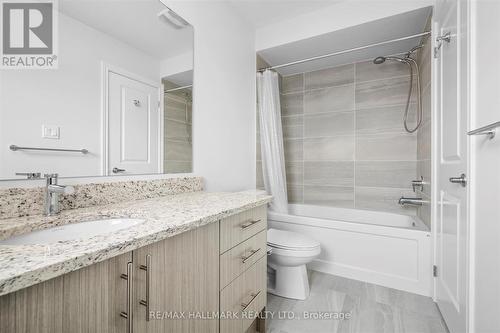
[{"x": 271, "y": 139}]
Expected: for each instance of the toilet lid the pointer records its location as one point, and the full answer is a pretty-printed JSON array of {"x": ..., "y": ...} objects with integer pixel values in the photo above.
[{"x": 290, "y": 240}]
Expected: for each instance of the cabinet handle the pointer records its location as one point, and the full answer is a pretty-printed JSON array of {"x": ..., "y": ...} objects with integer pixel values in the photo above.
[
  {"x": 249, "y": 223},
  {"x": 246, "y": 305},
  {"x": 147, "y": 268},
  {"x": 130, "y": 286},
  {"x": 252, "y": 253}
]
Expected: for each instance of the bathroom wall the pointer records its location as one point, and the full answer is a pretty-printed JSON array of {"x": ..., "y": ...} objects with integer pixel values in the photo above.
[
  {"x": 178, "y": 144},
  {"x": 224, "y": 94},
  {"x": 345, "y": 145},
  {"x": 55, "y": 104},
  {"x": 424, "y": 163}
]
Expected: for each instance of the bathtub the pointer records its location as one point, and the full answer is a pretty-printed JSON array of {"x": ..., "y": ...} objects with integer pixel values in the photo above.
[{"x": 387, "y": 249}]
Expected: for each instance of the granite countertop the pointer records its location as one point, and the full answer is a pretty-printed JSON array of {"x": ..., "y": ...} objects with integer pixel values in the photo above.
[{"x": 24, "y": 265}]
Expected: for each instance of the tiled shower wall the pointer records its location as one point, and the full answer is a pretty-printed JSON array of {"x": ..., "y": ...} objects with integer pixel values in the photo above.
[
  {"x": 424, "y": 133},
  {"x": 345, "y": 145},
  {"x": 178, "y": 154}
]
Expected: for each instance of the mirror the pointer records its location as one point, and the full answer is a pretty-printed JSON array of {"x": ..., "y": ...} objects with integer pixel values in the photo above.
[{"x": 113, "y": 98}]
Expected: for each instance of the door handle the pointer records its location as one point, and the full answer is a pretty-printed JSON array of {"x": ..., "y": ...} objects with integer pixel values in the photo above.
[
  {"x": 462, "y": 180},
  {"x": 118, "y": 170}
]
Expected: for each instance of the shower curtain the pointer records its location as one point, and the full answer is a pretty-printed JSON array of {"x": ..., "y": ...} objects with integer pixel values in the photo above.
[{"x": 271, "y": 139}]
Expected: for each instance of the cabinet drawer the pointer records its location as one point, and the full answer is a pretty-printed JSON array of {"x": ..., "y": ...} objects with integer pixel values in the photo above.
[
  {"x": 246, "y": 296},
  {"x": 240, "y": 227},
  {"x": 241, "y": 257}
]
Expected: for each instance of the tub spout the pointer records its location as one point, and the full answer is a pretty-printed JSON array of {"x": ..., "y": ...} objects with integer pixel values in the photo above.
[{"x": 411, "y": 201}]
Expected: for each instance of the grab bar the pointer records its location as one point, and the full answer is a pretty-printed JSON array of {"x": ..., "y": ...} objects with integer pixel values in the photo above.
[
  {"x": 489, "y": 130},
  {"x": 15, "y": 148}
]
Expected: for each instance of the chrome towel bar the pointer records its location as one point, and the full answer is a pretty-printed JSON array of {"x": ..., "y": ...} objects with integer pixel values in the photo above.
[
  {"x": 489, "y": 130},
  {"x": 15, "y": 148}
]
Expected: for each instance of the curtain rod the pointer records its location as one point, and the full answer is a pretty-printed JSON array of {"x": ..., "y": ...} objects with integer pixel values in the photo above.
[
  {"x": 179, "y": 88},
  {"x": 344, "y": 51}
]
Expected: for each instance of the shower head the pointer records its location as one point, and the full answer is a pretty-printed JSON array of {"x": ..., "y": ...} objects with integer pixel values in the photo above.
[{"x": 381, "y": 60}]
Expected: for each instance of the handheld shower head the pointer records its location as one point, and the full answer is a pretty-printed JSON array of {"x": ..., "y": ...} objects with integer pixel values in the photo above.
[{"x": 379, "y": 60}]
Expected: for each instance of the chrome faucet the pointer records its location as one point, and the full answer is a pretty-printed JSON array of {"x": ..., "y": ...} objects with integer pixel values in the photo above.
[
  {"x": 411, "y": 201},
  {"x": 52, "y": 191}
]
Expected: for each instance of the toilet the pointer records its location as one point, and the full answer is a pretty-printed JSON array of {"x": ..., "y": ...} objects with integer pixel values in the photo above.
[{"x": 289, "y": 254}]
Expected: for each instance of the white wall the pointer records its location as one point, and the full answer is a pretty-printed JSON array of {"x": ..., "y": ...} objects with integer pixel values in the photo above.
[
  {"x": 485, "y": 166},
  {"x": 68, "y": 97},
  {"x": 177, "y": 64},
  {"x": 339, "y": 16},
  {"x": 224, "y": 95}
]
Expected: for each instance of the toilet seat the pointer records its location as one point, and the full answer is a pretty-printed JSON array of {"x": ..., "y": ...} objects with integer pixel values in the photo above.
[{"x": 291, "y": 241}]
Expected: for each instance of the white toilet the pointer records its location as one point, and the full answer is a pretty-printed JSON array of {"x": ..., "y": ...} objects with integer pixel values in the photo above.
[{"x": 290, "y": 252}]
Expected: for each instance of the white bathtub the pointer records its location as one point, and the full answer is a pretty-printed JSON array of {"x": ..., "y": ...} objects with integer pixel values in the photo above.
[{"x": 387, "y": 249}]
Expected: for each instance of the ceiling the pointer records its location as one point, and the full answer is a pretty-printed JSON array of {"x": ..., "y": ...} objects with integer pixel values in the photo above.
[
  {"x": 133, "y": 22},
  {"x": 263, "y": 12},
  {"x": 389, "y": 28}
]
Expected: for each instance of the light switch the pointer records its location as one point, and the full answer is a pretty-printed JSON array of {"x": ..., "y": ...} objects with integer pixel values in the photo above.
[{"x": 50, "y": 132}]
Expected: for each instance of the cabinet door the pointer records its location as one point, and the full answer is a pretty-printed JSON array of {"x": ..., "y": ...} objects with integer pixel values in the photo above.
[
  {"x": 183, "y": 283},
  {"x": 87, "y": 300}
]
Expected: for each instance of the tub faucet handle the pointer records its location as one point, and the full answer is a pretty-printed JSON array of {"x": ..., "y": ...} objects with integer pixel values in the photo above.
[{"x": 418, "y": 184}]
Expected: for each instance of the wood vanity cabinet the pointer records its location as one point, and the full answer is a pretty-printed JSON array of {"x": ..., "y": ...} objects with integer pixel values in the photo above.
[
  {"x": 243, "y": 267},
  {"x": 87, "y": 300},
  {"x": 175, "y": 285},
  {"x": 184, "y": 276}
]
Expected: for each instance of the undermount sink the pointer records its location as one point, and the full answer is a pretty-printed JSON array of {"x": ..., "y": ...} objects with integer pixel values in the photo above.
[{"x": 72, "y": 231}]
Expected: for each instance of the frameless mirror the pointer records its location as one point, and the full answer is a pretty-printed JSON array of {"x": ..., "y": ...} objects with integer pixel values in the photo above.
[{"x": 110, "y": 93}]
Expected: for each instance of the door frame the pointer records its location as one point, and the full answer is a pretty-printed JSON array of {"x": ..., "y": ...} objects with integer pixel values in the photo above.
[{"x": 106, "y": 70}]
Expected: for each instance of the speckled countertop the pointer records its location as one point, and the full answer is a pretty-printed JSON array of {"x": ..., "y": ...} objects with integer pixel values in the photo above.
[{"x": 24, "y": 265}]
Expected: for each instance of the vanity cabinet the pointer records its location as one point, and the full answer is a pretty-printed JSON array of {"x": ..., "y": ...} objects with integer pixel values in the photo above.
[
  {"x": 183, "y": 275},
  {"x": 179, "y": 284},
  {"x": 182, "y": 290},
  {"x": 87, "y": 300},
  {"x": 243, "y": 266}
]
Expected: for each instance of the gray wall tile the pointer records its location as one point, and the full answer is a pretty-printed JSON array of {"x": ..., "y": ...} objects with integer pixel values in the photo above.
[
  {"x": 424, "y": 141},
  {"x": 178, "y": 151},
  {"x": 329, "y": 77},
  {"x": 178, "y": 166},
  {"x": 292, "y": 83},
  {"x": 329, "y": 99},
  {"x": 177, "y": 130},
  {"x": 295, "y": 193},
  {"x": 385, "y": 174},
  {"x": 382, "y": 92},
  {"x": 329, "y": 196},
  {"x": 385, "y": 119},
  {"x": 294, "y": 172},
  {"x": 396, "y": 147},
  {"x": 293, "y": 150},
  {"x": 329, "y": 173},
  {"x": 368, "y": 71},
  {"x": 339, "y": 148},
  {"x": 383, "y": 199},
  {"x": 292, "y": 104},
  {"x": 329, "y": 124},
  {"x": 337, "y": 151}
]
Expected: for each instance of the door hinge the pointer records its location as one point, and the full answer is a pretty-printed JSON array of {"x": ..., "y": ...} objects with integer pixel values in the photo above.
[{"x": 434, "y": 271}]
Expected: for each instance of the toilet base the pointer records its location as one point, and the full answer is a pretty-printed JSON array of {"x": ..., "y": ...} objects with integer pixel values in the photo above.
[{"x": 290, "y": 282}]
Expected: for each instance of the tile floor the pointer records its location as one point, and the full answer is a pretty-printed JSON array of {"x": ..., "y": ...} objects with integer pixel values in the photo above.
[{"x": 373, "y": 308}]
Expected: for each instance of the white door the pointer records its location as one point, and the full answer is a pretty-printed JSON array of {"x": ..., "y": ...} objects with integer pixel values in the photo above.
[
  {"x": 452, "y": 161},
  {"x": 133, "y": 126}
]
